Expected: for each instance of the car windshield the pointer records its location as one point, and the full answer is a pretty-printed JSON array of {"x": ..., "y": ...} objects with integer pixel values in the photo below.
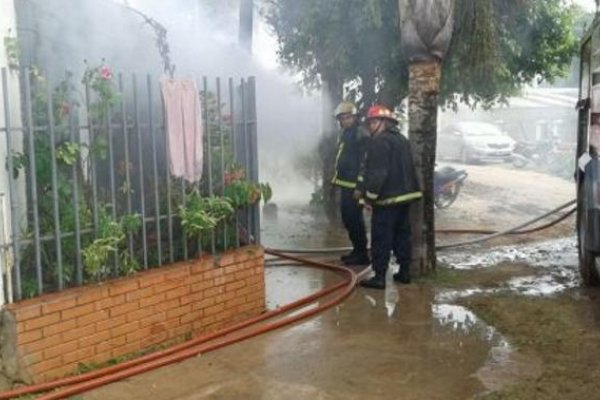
[{"x": 479, "y": 129}]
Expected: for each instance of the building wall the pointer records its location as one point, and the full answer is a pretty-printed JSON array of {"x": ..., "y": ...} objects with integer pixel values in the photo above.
[
  {"x": 49, "y": 336},
  {"x": 10, "y": 99}
]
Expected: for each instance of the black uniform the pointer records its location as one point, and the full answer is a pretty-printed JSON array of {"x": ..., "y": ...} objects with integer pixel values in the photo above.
[
  {"x": 350, "y": 155},
  {"x": 390, "y": 185}
]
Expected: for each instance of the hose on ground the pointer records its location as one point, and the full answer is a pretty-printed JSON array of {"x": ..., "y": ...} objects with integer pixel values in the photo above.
[
  {"x": 85, "y": 382},
  {"x": 490, "y": 234}
]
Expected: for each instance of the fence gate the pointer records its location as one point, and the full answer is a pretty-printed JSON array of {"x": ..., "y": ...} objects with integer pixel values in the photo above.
[{"x": 87, "y": 194}]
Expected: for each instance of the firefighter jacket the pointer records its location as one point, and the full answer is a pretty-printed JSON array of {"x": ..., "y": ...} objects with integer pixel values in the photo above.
[
  {"x": 350, "y": 155},
  {"x": 389, "y": 173}
]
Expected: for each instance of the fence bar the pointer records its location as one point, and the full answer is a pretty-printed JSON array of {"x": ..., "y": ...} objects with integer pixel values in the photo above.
[
  {"x": 33, "y": 180},
  {"x": 246, "y": 155},
  {"x": 234, "y": 149},
  {"x": 169, "y": 191},
  {"x": 76, "y": 204},
  {"x": 128, "y": 187},
  {"x": 92, "y": 159},
  {"x": 111, "y": 172},
  {"x": 252, "y": 151},
  {"x": 183, "y": 235},
  {"x": 55, "y": 195},
  {"x": 208, "y": 134},
  {"x": 140, "y": 170},
  {"x": 222, "y": 148},
  {"x": 154, "y": 170},
  {"x": 12, "y": 187}
]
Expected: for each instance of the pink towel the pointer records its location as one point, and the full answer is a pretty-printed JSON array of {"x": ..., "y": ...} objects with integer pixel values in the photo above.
[{"x": 184, "y": 127}]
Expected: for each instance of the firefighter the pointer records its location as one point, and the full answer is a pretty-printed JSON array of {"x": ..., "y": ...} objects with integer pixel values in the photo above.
[
  {"x": 350, "y": 155},
  {"x": 390, "y": 185}
]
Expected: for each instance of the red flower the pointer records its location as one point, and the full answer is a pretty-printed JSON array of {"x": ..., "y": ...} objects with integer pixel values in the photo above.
[{"x": 105, "y": 72}]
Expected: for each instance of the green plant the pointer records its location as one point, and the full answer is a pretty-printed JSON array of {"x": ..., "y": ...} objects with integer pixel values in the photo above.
[
  {"x": 110, "y": 240},
  {"x": 11, "y": 47},
  {"x": 203, "y": 213}
]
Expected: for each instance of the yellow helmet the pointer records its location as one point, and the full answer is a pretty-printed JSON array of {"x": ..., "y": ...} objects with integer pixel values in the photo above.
[{"x": 345, "y": 107}]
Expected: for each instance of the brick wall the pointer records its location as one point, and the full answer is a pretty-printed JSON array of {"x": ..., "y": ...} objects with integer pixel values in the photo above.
[{"x": 46, "y": 337}]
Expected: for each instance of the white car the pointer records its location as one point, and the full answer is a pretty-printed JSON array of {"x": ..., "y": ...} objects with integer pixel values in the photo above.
[{"x": 474, "y": 141}]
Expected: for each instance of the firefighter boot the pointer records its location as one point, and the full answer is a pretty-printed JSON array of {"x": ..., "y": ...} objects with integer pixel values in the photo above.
[
  {"x": 358, "y": 259},
  {"x": 376, "y": 282},
  {"x": 403, "y": 276}
]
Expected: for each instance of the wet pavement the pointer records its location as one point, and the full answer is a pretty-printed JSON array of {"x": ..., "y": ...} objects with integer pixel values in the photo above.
[{"x": 407, "y": 342}]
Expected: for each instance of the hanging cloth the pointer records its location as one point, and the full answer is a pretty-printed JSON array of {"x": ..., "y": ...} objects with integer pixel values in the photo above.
[{"x": 183, "y": 123}]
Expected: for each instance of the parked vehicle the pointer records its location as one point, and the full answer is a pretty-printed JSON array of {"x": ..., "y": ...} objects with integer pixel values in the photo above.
[
  {"x": 447, "y": 183},
  {"x": 526, "y": 153},
  {"x": 471, "y": 142}
]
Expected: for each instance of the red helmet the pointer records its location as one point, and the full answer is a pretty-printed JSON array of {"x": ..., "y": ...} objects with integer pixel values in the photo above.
[{"x": 383, "y": 112}]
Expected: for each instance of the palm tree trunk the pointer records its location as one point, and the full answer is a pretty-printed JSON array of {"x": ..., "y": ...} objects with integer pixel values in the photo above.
[{"x": 424, "y": 83}]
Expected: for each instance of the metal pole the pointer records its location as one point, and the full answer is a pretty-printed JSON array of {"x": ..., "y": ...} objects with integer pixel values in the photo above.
[
  {"x": 92, "y": 159},
  {"x": 75, "y": 175},
  {"x": 127, "y": 162},
  {"x": 140, "y": 170},
  {"x": 33, "y": 178},
  {"x": 222, "y": 148},
  {"x": 209, "y": 149},
  {"x": 154, "y": 170},
  {"x": 111, "y": 169},
  {"x": 253, "y": 152},
  {"x": 234, "y": 150}
]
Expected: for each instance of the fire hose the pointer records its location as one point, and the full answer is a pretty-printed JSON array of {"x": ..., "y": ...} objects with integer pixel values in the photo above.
[
  {"x": 205, "y": 343},
  {"x": 202, "y": 344}
]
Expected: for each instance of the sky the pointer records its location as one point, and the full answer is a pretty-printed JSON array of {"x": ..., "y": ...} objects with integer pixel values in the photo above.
[{"x": 589, "y": 5}]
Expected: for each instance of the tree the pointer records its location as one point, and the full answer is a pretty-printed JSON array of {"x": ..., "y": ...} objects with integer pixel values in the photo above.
[{"x": 496, "y": 47}]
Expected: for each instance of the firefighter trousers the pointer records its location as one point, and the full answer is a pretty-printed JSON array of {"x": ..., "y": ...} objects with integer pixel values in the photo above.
[
  {"x": 390, "y": 231},
  {"x": 352, "y": 217}
]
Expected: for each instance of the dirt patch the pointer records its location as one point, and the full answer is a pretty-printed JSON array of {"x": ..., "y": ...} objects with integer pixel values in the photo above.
[
  {"x": 451, "y": 278},
  {"x": 560, "y": 331}
]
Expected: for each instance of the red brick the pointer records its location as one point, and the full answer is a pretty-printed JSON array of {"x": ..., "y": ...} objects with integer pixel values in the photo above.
[
  {"x": 77, "y": 311},
  {"x": 201, "y": 286},
  {"x": 191, "y": 317},
  {"x": 226, "y": 259},
  {"x": 60, "y": 327},
  {"x": 125, "y": 329},
  {"x": 255, "y": 296},
  {"x": 248, "y": 290},
  {"x": 181, "y": 331},
  {"x": 214, "y": 309},
  {"x": 94, "y": 339},
  {"x": 111, "y": 344},
  {"x": 222, "y": 298},
  {"x": 177, "y": 293},
  {"x": 151, "y": 280},
  {"x": 129, "y": 348},
  {"x": 153, "y": 319},
  {"x": 33, "y": 358},
  {"x": 138, "y": 334},
  {"x": 46, "y": 365},
  {"x": 58, "y": 305},
  {"x": 92, "y": 295},
  {"x": 203, "y": 303},
  {"x": 149, "y": 301},
  {"x": 25, "y": 313},
  {"x": 111, "y": 323},
  {"x": 127, "y": 285},
  {"x": 139, "y": 294},
  {"x": 213, "y": 273},
  {"x": 244, "y": 274},
  {"x": 80, "y": 355},
  {"x": 59, "y": 350},
  {"x": 178, "y": 274},
  {"x": 255, "y": 280},
  {"x": 235, "y": 285},
  {"x": 201, "y": 267},
  {"x": 179, "y": 311},
  {"x": 139, "y": 314},
  {"x": 222, "y": 280},
  {"x": 73, "y": 334},
  {"x": 109, "y": 302},
  {"x": 235, "y": 302},
  {"x": 95, "y": 317},
  {"x": 61, "y": 372},
  {"x": 214, "y": 291},
  {"x": 169, "y": 285},
  {"x": 40, "y": 322},
  {"x": 154, "y": 339},
  {"x": 28, "y": 337},
  {"x": 124, "y": 308},
  {"x": 167, "y": 305}
]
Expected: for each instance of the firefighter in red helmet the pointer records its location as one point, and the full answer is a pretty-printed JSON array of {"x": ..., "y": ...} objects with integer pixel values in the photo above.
[{"x": 390, "y": 186}]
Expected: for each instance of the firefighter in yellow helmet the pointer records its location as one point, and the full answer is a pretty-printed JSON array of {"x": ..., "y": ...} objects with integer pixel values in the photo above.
[{"x": 350, "y": 156}]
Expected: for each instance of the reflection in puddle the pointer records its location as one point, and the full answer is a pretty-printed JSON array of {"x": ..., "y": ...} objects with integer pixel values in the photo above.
[
  {"x": 461, "y": 320},
  {"x": 556, "y": 261}
]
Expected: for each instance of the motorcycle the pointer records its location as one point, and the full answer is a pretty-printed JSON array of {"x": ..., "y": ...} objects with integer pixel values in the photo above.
[
  {"x": 447, "y": 183},
  {"x": 531, "y": 153}
]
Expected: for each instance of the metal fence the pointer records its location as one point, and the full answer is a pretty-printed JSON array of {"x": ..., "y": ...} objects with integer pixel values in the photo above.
[{"x": 88, "y": 184}]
